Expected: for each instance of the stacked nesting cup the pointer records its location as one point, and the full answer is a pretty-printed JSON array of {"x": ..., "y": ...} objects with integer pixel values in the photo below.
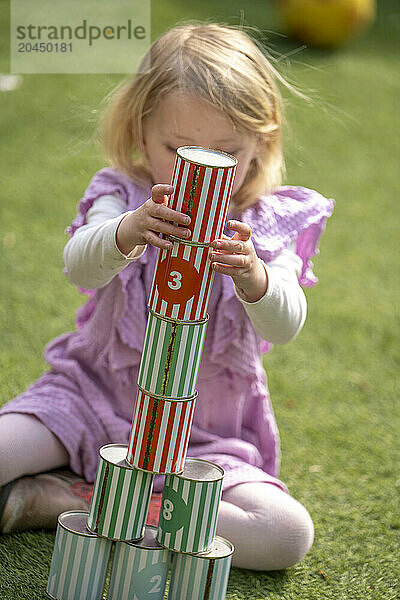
[
  {"x": 162, "y": 419},
  {"x": 187, "y": 525}
]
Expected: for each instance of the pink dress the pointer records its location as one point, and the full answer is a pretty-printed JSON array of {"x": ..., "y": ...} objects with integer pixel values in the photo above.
[{"x": 87, "y": 397}]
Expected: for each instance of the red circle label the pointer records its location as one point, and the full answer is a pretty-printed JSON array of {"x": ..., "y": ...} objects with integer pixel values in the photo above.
[{"x": 177, "y": 280}]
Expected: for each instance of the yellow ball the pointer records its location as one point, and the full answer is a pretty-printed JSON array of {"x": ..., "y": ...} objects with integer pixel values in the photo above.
[{"x": 326, "y": 23}]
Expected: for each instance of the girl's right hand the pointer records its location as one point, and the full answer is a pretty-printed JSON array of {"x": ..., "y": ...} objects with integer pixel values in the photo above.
[{"x": 143, "y": 225}]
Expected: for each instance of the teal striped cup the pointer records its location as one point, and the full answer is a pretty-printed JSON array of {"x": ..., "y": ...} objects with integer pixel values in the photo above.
[
  {"x": 121, "y": 496},
  {"x": 79, "y": 563},
  {"x": 189, "y": 507},
  {"x": 140, "y": 569},
  {"x": 171, "y": 356},
  {"x": 201, "y": 577}
]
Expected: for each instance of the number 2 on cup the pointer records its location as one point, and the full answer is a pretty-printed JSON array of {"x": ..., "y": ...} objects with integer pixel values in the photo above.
[{"x": 157, "y": 584}]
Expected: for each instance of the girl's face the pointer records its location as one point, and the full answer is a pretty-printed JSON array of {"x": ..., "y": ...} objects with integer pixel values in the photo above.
[{"x": 182, "y": 120}]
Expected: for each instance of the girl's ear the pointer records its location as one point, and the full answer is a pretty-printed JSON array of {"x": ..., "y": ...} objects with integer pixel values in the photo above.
[
  {"x": 142, "y": 141},
  {"x": 260, "y": 141}
]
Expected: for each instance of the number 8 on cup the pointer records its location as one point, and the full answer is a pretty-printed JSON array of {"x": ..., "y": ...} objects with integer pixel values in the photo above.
[{"x": 168, "y": 507}]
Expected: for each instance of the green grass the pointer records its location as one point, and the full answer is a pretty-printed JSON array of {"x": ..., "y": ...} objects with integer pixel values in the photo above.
[{"x": 335, "y": 388}]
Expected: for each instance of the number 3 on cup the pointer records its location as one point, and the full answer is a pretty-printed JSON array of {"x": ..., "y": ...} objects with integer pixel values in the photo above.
[
  {"x": 176, "y": 282},
  {"x": 167, "y": 510}
]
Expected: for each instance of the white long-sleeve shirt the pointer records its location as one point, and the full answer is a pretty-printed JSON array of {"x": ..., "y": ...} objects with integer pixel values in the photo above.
[{"x": 92, "y": 258}]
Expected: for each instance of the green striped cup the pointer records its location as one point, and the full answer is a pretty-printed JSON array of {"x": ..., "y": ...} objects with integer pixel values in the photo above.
[
  {"x": 189, "y": 507},
  {"x": 121, "y": 496},
  {"x": 79, "y": 564},
  {"x": 140, "y": 569},
  {"x": 201, "y": 577},
  {"x": 171, "y": 356}
]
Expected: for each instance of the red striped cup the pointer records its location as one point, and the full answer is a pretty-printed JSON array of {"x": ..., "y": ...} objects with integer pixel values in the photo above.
[
  {"x": 160, "y": 433},
  {"x": 203, "y": 180},
  {"x": 182, "y": 283}
]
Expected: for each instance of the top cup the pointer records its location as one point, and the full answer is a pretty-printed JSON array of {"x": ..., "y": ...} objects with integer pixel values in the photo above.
[
  {"x": 203, "y": 180},
  {"x": 206, "y": 157}
]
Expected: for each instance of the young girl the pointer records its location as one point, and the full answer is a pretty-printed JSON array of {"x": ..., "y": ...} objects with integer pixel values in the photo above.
[{"x": 211, "y": 86}]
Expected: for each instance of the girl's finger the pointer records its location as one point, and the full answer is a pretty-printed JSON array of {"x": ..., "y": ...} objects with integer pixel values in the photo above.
[
  {"x": 168, "y": 228},
  {"x": 152, "y": 238},
  {"x": 227, "y": 269},
  {"x": 229, "y": 245},
  {"x": 159, "y": 191},
  {"x": 243, "y": 229},
  {"x": 159, "y": 211},
  {"x": 233, "y": 260}
]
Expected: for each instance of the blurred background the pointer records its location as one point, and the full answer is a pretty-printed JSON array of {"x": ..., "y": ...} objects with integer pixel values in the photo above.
[{"x": 335, "y": 389}]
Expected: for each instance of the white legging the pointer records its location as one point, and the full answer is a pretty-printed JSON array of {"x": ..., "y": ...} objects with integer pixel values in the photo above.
[{"x": 269, "y": 529}]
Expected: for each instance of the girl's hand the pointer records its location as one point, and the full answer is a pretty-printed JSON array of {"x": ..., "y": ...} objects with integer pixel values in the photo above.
[
  {"x": 143, "y": 225},
  {"x": 237, "y": 257}
]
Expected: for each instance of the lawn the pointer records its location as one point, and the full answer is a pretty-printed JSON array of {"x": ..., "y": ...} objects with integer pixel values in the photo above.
[{"x": 335, "y": 388}]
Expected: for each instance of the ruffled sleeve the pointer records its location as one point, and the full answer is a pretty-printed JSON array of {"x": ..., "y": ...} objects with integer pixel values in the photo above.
[
  {"x": 292, "y": 213},
  {"x": 108, "y": 182}
]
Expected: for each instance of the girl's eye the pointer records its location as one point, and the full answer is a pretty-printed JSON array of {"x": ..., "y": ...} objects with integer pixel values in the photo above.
[{"x": 171, "y": 149}]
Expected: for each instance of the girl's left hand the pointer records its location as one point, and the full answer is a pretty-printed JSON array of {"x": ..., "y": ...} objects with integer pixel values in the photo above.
[{"x": 236, "y": 256}]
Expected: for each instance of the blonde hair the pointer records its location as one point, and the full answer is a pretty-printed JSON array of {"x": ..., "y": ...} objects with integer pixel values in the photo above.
[{"x": 219, "y": 64}]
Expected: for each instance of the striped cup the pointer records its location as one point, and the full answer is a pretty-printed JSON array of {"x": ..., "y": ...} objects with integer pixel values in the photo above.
[
  {"x": 182, "y": 282},
  {"x": 189, "y": 507},
  {"x": 79, "y": 563},
  {"x": 121, "y": 496},
  {"x": 201, "y": 577},
  {"x": 160, "y": 433},
  {"x": 203, "y": 181},
  {"x": 171, "y": 357},
  {"x": 140, "y": 569}
]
